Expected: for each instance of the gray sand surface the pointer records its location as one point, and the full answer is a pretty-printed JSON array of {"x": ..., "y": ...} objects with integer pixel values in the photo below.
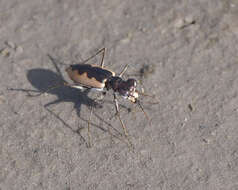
[{"x": 188, "y": 52}]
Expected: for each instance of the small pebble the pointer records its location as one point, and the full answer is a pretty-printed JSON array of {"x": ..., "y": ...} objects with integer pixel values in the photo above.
[
  {"x": 146, "y": 70},
  {"x": 2, "y": 99},
  {"x": 19, "y": 49},
  {"x": 189, "y": 20},
  {"x": 202, "y": 126},
  {"x": 190, "y": 107},
  {"x": 180, "y": 23},
  {"x": 127, "y": 39},
  {"x": 207, "y": 141},
  {"x": 5, "y": 52}
]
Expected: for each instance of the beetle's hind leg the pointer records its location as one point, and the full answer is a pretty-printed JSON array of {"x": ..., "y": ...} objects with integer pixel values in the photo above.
[
  {"x": 123, "y": 71},
  {"x": 102, "y": 60},
  {"x": 103, "y": 54}
]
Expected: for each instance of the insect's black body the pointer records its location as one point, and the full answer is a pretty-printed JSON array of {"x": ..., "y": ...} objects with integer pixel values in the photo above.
[
  {"x": 92, "y": 71},
  {"x": 127, "y": 88},
  {"x": 90, "y": 76},
  {"x": 99, "y": 78}
]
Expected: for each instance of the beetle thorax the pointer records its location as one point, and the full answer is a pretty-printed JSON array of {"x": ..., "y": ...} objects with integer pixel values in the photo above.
[{"x": 127, "y": 88}]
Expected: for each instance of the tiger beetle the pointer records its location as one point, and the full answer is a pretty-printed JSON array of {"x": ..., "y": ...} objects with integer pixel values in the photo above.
[{"x": 87, "y": 76}]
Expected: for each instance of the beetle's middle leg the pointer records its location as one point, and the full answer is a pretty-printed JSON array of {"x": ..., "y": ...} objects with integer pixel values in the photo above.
[
  {"x": 89, "y": 120},
  {"x": 98, "y": 98}
]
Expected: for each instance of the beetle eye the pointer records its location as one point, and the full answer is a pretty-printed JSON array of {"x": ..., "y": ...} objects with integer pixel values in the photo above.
[{"x": 131, "y": 84}]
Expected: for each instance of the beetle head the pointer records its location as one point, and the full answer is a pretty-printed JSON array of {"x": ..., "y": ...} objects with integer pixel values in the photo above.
[{"x": 128, "y": 90}]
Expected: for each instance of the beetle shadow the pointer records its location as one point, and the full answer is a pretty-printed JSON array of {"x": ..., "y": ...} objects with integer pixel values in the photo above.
[{"x": 44, "y": 79}]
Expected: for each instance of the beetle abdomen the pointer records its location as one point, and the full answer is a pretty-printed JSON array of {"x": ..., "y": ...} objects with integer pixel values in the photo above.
[{"x": 89, "y": 75}]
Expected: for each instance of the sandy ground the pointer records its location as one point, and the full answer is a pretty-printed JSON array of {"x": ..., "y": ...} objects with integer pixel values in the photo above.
[{"x": 191, "y": 49}]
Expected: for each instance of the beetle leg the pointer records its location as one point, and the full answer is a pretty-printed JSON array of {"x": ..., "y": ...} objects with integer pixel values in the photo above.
[
  {"x": 90, "y": 116},
  {"x": 89, "y": 121},
  {"x": 122, "y": 124},
  {"x": 102, "y": 60},
  {"x": 103, "y": 54},
  {"x": 142, "y": 109},
  {"x": 123, "y": 71},
  {"x": 118, "y": 114}
]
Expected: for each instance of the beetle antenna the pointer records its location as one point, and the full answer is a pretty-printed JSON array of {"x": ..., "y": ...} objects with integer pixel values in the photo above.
[{"x": 144, "y": 94}]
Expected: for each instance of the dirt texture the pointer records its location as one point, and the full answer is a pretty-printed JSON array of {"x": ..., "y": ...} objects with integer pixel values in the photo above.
[{"x": 185, "y": 52}]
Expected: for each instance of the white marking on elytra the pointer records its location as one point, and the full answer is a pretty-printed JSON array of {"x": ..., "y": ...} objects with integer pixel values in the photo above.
[{"x": 83, "y": 88}]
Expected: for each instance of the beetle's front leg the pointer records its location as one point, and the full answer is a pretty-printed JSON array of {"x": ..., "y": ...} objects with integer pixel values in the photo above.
[{"x": 118, "y": 115}]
